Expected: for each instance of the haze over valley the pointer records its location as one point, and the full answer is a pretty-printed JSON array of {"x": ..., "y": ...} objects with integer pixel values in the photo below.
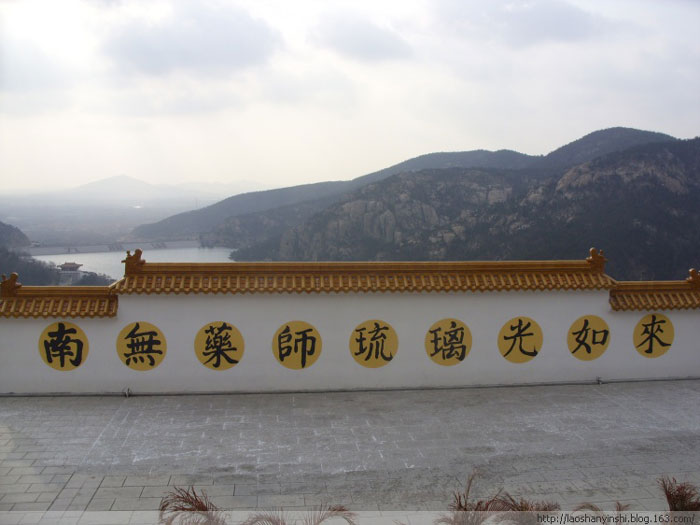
[
  {"x": 620, "y": 189},
  {"x": 106, "y": 210}
]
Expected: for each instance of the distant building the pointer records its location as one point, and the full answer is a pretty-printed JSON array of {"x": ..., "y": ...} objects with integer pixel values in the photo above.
[
  {"x": 70, "y": 273},
  {"x": 69, "y": 266}
]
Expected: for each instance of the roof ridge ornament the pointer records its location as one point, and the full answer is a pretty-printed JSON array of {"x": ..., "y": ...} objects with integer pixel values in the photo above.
[
  {"x": 596, "y": 260},
  {"x": 693, "y": 278},
  {"x": 133, "y": 263},
  {"x": 9, "y": 287}
]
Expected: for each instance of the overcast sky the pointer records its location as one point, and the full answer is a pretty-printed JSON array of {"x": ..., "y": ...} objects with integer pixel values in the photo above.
[{"x": 282, "y": 92}]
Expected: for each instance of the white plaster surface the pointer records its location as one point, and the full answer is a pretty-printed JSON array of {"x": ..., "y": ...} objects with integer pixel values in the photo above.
[{"x": 335, "y": 316}]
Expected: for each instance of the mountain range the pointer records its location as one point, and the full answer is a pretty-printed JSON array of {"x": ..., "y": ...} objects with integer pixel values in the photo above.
[
  {"x": 640, "y": 205},
  {"x": 630, "y": 192},
  {"x": 210, "y": 218}
]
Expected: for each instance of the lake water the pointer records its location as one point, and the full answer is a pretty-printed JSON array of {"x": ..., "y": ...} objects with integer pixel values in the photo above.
[{"x": 109, "y": 263}]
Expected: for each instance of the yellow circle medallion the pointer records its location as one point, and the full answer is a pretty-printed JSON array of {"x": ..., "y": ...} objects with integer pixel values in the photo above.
[
  {"x": 373, "y": 343},
  {"x": 296, "y": 345},
  {"x": 588, "y": 337},
  {"x": 141, "y": 346},
  {"x": 219, "y": 345},
  {"x": 448, "y": 342},
  {"x": 63, "y": 346},
  {"x": 653, "y": 335},
  {"x": 520, "y": 340}
]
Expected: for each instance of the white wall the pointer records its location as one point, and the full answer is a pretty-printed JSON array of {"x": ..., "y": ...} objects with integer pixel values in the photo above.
[{"x": 335, "y": 316}]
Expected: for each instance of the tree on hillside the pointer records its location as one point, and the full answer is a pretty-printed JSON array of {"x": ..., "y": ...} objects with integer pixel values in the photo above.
[
  {"x": 94, "y": 279},
  {"x": 12, "y": 237},
  {"x": 31, "y": 271}
]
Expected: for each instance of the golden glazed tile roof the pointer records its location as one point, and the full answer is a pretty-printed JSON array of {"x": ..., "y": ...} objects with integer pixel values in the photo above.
[
  {"x": 657, "y": 295},
  {"x": 56, "y": 301},
  {"x": 328, "y": 277},
  {"x": 324, "y": 277}
]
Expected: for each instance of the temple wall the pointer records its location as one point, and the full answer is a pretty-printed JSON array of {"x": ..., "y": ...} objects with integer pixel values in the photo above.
[{"x": 335, "y": 316}]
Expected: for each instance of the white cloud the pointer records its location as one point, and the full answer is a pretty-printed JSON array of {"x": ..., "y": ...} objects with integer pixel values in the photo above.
[
  {"x": 521, "y": 23},
  {"x": 25, "y": 67},
  {"x": 292, "y": 92},
  {"x": 551, "y": 21},
  {"x": 357, "y": 37},
  {"x": 200, "y": 38}
]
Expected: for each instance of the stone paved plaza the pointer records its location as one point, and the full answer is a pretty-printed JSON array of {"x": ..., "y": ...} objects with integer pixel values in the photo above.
[{"x": 372, "y": 451}]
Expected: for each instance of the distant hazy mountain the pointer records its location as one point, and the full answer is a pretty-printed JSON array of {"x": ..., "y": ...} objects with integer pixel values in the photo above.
[
  {"x": 119, "y": 187},
  {"x": 125, "y": 189},
  {"x": 218, "y": 222},
  {"x": 102, "y": 211},
  {"x": 640, "y": 205}
]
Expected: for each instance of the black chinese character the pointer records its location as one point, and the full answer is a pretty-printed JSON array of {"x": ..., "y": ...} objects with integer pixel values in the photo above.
[
  {"x": 142, "y": 346},
  {"x": 450, "y": 344},
  {"x": 218, "y": 343},
  {"x": 598, "y": 337},
  {"x": 375, "y": 348},
  {"x": 61, "y": 346},
  {"x": 304, "y": 344},
  {"x": 519, "y": 335},
  {"x": 651, "y": 330}
]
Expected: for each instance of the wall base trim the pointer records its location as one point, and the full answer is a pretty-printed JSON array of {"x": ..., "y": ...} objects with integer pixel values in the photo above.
[{"x": 132, "y": 393}]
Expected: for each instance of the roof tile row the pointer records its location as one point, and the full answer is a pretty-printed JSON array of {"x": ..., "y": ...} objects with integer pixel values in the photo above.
[
  {"x": 655, "y": 295},
  {"x": 336, "y": 277},
  {"x": 60, "y": 302},
  {"x": 159, "y": 283}
]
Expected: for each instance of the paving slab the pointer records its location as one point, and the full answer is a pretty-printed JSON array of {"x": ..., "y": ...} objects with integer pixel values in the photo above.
[{"x": 381, "y": 451}]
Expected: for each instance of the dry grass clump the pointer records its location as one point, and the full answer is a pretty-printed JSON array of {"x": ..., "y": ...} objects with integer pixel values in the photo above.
[
  {"x": 318, "y": 516},
  {"x": 525, "y": 505},
  {"x": 619, "y": 508},
  {"x": 466, "y": 511},
  {"x": 598, "y": 511},
  {"x": 313, "y": 517},
  {"x": 463, "y": 503},
  {"x": 524, "y": 511},
  {"x": 681, "y": 497},
  {"x": 186, "y": 507}
]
